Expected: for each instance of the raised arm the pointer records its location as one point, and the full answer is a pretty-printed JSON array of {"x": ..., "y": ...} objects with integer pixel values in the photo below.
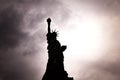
[{"x": 48, "y": 21}]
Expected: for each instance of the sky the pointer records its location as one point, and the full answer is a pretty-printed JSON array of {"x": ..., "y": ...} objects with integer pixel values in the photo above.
[{"x": 89, "y": 28}]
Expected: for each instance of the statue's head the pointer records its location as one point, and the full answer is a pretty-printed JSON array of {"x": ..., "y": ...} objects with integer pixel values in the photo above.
[{"x": 54, "y": 35}]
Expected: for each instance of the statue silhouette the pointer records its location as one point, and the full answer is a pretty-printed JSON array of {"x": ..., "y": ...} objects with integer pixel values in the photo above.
[{"x": 55, "y": 66}]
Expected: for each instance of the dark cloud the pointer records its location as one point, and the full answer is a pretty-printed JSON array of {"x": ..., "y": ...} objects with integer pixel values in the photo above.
[
  {"x": 23, "y": 37},
  {"x": 10, "y": 33}
]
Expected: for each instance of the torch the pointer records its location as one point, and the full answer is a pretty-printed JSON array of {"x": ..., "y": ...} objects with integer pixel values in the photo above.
[{"x": 49, "y": 21}]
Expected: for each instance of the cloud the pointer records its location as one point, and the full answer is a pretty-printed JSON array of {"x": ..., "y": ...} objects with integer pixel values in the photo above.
[
  {"x": 9, "y": 27},
  {"x": 23, "y": 37}
]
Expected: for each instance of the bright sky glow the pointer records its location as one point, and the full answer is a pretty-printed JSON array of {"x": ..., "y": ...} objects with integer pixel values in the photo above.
[{"x": 84, "y": 40}]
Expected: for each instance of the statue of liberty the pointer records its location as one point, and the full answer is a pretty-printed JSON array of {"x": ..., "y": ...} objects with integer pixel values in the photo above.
[{"x": 55, "y": 66}]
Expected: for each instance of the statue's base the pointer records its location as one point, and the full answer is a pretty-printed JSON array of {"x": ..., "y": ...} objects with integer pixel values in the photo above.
[
  {"x": 56, "y": 76},
  {"x": 70, "y": 78}
]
